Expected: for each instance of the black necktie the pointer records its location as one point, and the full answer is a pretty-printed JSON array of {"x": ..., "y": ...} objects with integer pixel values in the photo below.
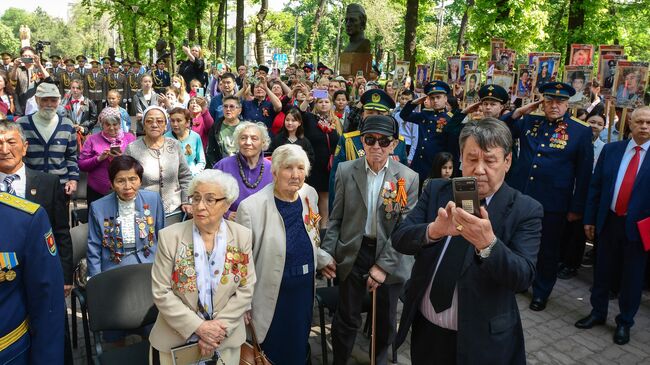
[{"x": 449, "y": 270}]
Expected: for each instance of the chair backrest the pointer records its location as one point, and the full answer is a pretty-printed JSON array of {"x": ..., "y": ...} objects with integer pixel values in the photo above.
[
  {"x": 82, "y": 187},
  {"x": 79, "y": 236},
  {"x": 121, "y": 298}
]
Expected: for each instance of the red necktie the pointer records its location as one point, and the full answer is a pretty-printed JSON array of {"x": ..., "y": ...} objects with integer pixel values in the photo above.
[{"x": 625, "y": 191}]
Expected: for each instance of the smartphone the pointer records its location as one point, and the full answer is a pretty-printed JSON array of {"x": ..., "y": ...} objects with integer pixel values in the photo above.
[
  {"x": 186, "y": 43},
  {"x": 360, "y": 73},
  {"x": 466, "y": 195},
  {"x": 200, "y": 92},
  {"x": 27, "y": 60},
  {"x": 115, "y": 150},
  {"x": 319, "y": 93}
]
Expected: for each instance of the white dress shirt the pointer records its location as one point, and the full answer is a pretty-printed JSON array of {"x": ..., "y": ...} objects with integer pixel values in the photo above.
[
  {"x": 20, "y": 183},
  {"x": 126, "y": 211},
  {"x": 449, "y": 317},
  {"x": 374, "y": 180},
  {"x": 625, "y": 161}
]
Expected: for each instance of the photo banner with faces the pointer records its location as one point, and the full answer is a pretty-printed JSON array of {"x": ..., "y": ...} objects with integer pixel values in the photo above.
[
  {"x": 525, "y": 75},
  {"x": 422, "y": 76},
  {"x": 607, "y": 72},
  {"x": 581, "y": 55},
  {"x": 453, "y": 70},
  {"x": 630, "y": 82},
  {"x": 578, "y": 77},
  {"x": 472, "y": 85}
]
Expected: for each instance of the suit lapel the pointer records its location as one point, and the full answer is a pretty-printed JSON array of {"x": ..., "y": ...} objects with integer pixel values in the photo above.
[
  {"x": 617, "y": 157},
  {"x": 191, "y": 296},
  {"x": 222, "y": 289},
  {"x": 645, "y": 166},
  {"x": 359, "y": 176},
  {"x": 31, "y": 184},
  {"x": 391, "y": 175}
]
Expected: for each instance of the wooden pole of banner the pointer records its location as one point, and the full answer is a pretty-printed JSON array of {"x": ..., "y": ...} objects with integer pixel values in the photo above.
[
  {"x": 621, "y": 132},
  {"x": 372, "y": 328},
  {"x": 611, "y": 113}
]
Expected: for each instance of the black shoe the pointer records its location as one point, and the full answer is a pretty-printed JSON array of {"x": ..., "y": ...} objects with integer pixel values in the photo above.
[
  {"x": 589, "y": 321},
  {"x": 589, "y": 258},
  {"x": 622, "y": 335},
  {"x": 567, "y": 273},
  {"x": 538, "y": 304}
]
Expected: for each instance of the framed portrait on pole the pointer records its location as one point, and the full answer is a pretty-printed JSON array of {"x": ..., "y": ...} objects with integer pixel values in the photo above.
[
  {"x": 630, "y": 82},
  {"x": 524, "y": 82},
  {"x": 472, "y": 84},
  {"x": 581, "y": 55},
  {"x": 578, "y": 77}
]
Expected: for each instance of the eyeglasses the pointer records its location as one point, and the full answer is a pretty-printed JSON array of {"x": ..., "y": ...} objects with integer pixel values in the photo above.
[
  {"x": 156, "y": 122},
  {"x": 208, "y": 200},
  {"x": 122, "y": 181},
  {"x": 383, "y": 141},
  {"x": 230, "y": 106}
]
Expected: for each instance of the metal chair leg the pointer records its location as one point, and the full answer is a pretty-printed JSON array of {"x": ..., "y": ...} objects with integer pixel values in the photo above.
[
  {"x": 73, "y": 307},
  {"x": 89, "y": 350}
]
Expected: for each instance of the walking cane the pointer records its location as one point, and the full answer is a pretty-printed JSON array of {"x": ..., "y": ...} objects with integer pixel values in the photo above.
[{"x": 372, "y": 328}]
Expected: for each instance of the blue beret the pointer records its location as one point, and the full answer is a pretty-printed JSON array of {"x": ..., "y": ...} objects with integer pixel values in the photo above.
[
  {"x": 493, "y": 92},
  {"x": 377, "y": 99},
  {"x": 436, "y": 87},
  {"x": 558, "y": 90}
]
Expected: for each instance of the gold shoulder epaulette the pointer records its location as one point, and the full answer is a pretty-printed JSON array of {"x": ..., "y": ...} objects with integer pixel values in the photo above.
[
  {"x": 450, "y": 114},
  {"x": 580, "y": 121},
  {"x": 18, "y": 203},
  {"x": 401, "y": 138},
  {"x": 351, "y": 134},
  {"x": 538, "y": 113}
]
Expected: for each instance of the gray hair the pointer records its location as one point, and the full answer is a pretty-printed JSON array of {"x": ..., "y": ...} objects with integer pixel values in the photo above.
[
  {"x": 488, "y": 133},
  {"x": 638, "y": 111},
  {"x": 219, "y": 178},
  {"x": 289, "y": 154},
  {"x": 261, "y": 128},
  {"x": 7, "y": 126}
]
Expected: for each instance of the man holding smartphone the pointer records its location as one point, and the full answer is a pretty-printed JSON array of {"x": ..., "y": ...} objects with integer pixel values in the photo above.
[
  {"x": 27, "y": 73},
  {"x": 461, "y": 294}
]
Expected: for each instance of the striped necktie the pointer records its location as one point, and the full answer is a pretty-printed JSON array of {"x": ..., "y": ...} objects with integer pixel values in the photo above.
[{"x": 6, "y": 184}]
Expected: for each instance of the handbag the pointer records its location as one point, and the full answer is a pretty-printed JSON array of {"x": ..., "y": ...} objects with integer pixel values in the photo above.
[{"x": 251, "y": 353}]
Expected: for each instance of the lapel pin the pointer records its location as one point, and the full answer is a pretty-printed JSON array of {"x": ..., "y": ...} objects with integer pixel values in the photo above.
[{"x": 33, "y": 191}]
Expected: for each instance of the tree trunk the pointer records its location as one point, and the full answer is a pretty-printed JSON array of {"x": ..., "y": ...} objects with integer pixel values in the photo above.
[
  {"x": 314, "y": 28},
  {"x": 220, "y": 26},
  {"x": 463, "y": 26},
  {"x": 259, "y": 33},
  {"x": 239, "y": 34},
  {"x": 120, "y": 39},
  {"x": 574, "y": 29},
  {"x": 211, "y": 34},
  {"x": 410, "y": 33},
  {"x": 134, "y": 39},
  {"x": 172, "y": 47},
  {"x": 199, "y": 32}
]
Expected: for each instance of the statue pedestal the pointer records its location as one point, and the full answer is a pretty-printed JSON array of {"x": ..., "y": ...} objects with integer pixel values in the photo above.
[{"x": 350, "y": 63}]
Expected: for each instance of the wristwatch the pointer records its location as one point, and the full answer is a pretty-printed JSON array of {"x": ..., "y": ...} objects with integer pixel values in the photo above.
[{"x": 485, "y": 253}]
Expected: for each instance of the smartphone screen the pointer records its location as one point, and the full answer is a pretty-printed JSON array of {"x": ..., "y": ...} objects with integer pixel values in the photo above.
[
  {"x": 319, "y": 93},
  {"x": 115, "y": 150},
  {"x": 200, "y": 91},
  {"x": 360, "y": 73},
  {"x": 466, "y": 195},
  {"x": 27, "y": 60}
]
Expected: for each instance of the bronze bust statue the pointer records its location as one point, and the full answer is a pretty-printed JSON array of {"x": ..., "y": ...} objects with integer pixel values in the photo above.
[{"x": 355, "y": 26}]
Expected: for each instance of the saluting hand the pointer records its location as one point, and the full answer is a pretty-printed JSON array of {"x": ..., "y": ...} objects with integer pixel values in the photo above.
[
  {"x": 526, "y": 109},
  {"x": 471, "y": 108}
]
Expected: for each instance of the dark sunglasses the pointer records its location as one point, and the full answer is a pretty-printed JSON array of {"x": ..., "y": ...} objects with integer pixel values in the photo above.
[{"x": 383, "y": 141}]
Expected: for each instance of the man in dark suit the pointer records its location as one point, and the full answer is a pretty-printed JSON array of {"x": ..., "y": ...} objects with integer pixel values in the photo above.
[
  {"x": 37, "y": 187},
  {"x": 460, "y": 301},
  {"x": 618, "y": 199},
  {"x": 373, "y": 193}
]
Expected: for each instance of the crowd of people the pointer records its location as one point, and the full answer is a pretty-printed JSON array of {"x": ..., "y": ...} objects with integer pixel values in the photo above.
[{"x": 243, "y": 188}]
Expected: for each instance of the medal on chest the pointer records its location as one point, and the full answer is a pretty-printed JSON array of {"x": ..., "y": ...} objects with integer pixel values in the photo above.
[
  {"x": 440, "y": 124},
  {"x": 560, "y": 136}
]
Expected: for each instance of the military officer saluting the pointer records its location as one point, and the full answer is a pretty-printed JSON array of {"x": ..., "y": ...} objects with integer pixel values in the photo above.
[
  {"x": 432, "y": 136},
  {"x": 554, "y": 167},
  {"x": 117, "y": 81},
  {"x": 374, "y": 102},
  {"x": 161, "y": 77},
  {"x": 67, "y": 76},
  {"x": 95, "y": 85},
  {"x": 31, "y": 299}
]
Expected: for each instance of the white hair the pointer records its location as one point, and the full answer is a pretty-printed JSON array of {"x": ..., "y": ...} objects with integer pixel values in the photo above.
[
  {"x": 289, "y": 154},
  {"x": 224, "y": 180},
  {"x": 261, "y": 128}
]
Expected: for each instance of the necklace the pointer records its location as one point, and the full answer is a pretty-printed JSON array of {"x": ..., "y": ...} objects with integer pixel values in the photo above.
[{"x": 243, "y": 176}]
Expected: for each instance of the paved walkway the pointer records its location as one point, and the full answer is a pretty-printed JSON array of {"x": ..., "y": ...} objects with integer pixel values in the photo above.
[{"x": 550, "y": 335}]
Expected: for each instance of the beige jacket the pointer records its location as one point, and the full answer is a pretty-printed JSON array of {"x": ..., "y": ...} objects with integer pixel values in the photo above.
[
  {"x": 176, "y": 296},
  {"x": 259, "y": 213}
]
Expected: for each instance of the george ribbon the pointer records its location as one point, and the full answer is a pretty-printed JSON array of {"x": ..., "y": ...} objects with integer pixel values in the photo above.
[
  {"x": 313, "y": 217},
  {"x": 401, "y": 193}
]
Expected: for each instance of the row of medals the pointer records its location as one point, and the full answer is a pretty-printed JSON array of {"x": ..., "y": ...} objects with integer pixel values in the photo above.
[{"x": 8, "y": 275}]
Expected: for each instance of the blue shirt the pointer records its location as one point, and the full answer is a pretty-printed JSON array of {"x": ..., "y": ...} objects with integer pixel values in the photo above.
[
  {"x": 216, "y": 106},
  {"x": 254, "y": 110}
]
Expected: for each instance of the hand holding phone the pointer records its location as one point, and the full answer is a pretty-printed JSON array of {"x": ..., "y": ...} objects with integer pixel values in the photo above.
[
  {"x": 466, "y": 195},
  {"x": 319, "y": 93},
  {"x": 116, "y": 150}
]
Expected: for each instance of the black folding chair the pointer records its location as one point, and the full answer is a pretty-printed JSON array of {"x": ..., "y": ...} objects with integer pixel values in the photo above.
[
  {"x": 80, "y": 215},
  {"x": 79, "y": 236},
  {"x": 121, "y": 300}
]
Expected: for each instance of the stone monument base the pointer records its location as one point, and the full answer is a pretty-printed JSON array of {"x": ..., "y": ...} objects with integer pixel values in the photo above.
[{"x": 350, "y": 63}]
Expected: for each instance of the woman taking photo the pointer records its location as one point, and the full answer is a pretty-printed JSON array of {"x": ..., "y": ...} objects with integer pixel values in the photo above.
[
  {"x": 292, "y": 132},
  {"x": 123, "y": 226},
  {"x": 8, "y": 97},
  {"x": 189, "y": 140},
  {"x": 203, "y": 277},
  {"x": 284, "y": 219},
  {"x": 99, "y": 150},
  {"x": 248, "y": 165},
  {"x": 165, "y": 167},
  {"x": 201, "y": 119}
]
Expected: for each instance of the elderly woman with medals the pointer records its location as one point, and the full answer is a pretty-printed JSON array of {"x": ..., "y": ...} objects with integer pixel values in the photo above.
[
  {"x": 284, "y": 219},
  {"x": 203, "y": 279},
  {"x": 123, "y": 226}
]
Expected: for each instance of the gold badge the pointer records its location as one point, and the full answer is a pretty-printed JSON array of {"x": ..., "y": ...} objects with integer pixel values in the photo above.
[
  {"x": 33, "y": 191},
  {"x": 10, "y": 275},
  {"x": 376, "y": 98},
  {"x": 2, "y": 276}
]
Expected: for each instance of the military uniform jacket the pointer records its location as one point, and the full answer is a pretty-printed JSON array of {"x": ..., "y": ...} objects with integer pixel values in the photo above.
[
  {"x": 116, "y": 81},
  {"x": 95, "y": 86},
  {"x": 555, "y": 160},
  {"x": 432, "y": 136},
  {"x": 31, "y": 283},
  {"x": 161, "y": 80},
  {"x": 5, "y": 70},
  {"x": 65, "y": 78},
  {"x": 350, "y": 148},
  {"x": 132, "y": 85}
]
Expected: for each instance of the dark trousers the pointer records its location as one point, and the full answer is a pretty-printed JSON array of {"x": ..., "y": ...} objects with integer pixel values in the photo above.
[
  {"x": 549, "y": 254},
  {"x": 431, "y": 344},
  {"x": 92, "y": 195},
  {"x": 347, "y": 319},
  {"x": 573, "y": 244},
  {"x": 616, "y": 251},
  {"x": 67, "y": 348}
]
